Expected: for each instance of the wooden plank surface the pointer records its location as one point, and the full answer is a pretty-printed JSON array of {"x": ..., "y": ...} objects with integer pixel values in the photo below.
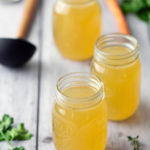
[
  {"x": 23, "y": 90},
  {"x": 53, "y": 66},
  {"x": 138, "y": 124},
  {"x": 19, "y": 87}
]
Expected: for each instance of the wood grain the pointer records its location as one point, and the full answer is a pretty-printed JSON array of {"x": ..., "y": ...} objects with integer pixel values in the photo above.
[
  {"x": 139, "y": 124},
  {"x": 28, "y": 93},
  {"x": 19, "y": 87}
]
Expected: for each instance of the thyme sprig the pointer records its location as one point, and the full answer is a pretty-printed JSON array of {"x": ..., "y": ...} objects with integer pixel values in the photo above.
[{"x": 135, "y": 142}]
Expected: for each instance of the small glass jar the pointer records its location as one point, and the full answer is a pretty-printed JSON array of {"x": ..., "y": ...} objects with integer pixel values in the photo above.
[
  {"x": 76, "y": 26},
  {"x": 79, "y": 113},
  {"x": 117, "y": 63}
]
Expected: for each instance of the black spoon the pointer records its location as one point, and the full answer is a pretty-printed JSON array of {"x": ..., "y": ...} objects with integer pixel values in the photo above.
[{"x": 16, "y": 52}]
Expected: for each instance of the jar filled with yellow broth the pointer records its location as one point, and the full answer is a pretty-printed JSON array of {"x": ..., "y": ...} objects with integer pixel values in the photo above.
[
  {"x": 117, "y": 63},
  {"x": 79, "y": 113},
  {"x": 76, "y": 26}
]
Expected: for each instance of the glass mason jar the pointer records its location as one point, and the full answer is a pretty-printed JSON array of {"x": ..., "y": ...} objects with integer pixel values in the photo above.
[
  {"x": 117, "y": 63},
  {"x": 76, "y": 26},
  {"x": 79, "y": 113}
]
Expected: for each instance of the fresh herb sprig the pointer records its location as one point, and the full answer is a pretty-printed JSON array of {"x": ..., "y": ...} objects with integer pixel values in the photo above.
[
  {"x": 140, "y": 8},
  {"x": 9, "y": 133},
  {"x": 135, "y": 142}
]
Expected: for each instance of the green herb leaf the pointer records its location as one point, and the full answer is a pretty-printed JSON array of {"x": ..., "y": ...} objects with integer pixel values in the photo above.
[
  {"x": 9, "y": 133},
  {"x": 134, "y": 141},
  {"x": 17, "y": 148},
  {"x": 6, "y": 123},
  {"x": 19, "y": 133},
  {"x": 129, "y": 138},
  {"x": 144, "y": 15},
  {"x": 141, "y": 8},
  {"x": 133, "y": 6},
  {"x": 147, "y": 2}
]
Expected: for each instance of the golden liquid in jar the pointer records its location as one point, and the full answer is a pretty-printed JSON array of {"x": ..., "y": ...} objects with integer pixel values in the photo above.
[
  {"x": 121, "y": 83},
  {"x": 80, "y": 129},
  {"x": 76, "y": 27}
]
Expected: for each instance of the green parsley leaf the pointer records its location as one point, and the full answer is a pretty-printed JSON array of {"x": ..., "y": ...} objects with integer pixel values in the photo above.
[
  {"x": 140, "y": 8},
  {"x": 144, "y": 15},
  {"x": 9, "y": 133},
  {"x": 17, "y": 148},
  {"x": 6, "y": 123},
  {"x": 19, "y": 133},
  {"x": 133, "y": 6},
  {"x": 147, "y": 2}
]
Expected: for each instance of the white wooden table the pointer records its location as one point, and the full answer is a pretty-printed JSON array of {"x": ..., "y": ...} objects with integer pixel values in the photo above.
[{"x": 27, "y": 94}]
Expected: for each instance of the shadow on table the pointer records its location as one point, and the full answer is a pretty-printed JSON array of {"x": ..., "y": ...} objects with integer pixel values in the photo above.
[
  {"x": 140, "y": 120},
  {"x": 141, "y": 116},
  {"x": 30, "y": 66}
]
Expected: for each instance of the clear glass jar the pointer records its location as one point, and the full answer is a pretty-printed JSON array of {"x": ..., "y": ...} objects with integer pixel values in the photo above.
[
  {"x": 79, "y": 113},
  {"x": 117, "y": 63},
  {"x": 76, "y": 26}
]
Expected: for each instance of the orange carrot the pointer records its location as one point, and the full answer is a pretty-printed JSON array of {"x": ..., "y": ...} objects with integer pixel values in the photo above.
[{"x": 118, "y": 14}]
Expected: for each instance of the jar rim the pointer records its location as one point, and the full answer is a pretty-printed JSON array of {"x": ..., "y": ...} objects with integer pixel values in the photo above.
[
  {"x": 83, "y": 75},
  {"x": 117, "y": 35},
  {"x": 116, "y": 40},
  {"x": 77, "y": 3}
]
